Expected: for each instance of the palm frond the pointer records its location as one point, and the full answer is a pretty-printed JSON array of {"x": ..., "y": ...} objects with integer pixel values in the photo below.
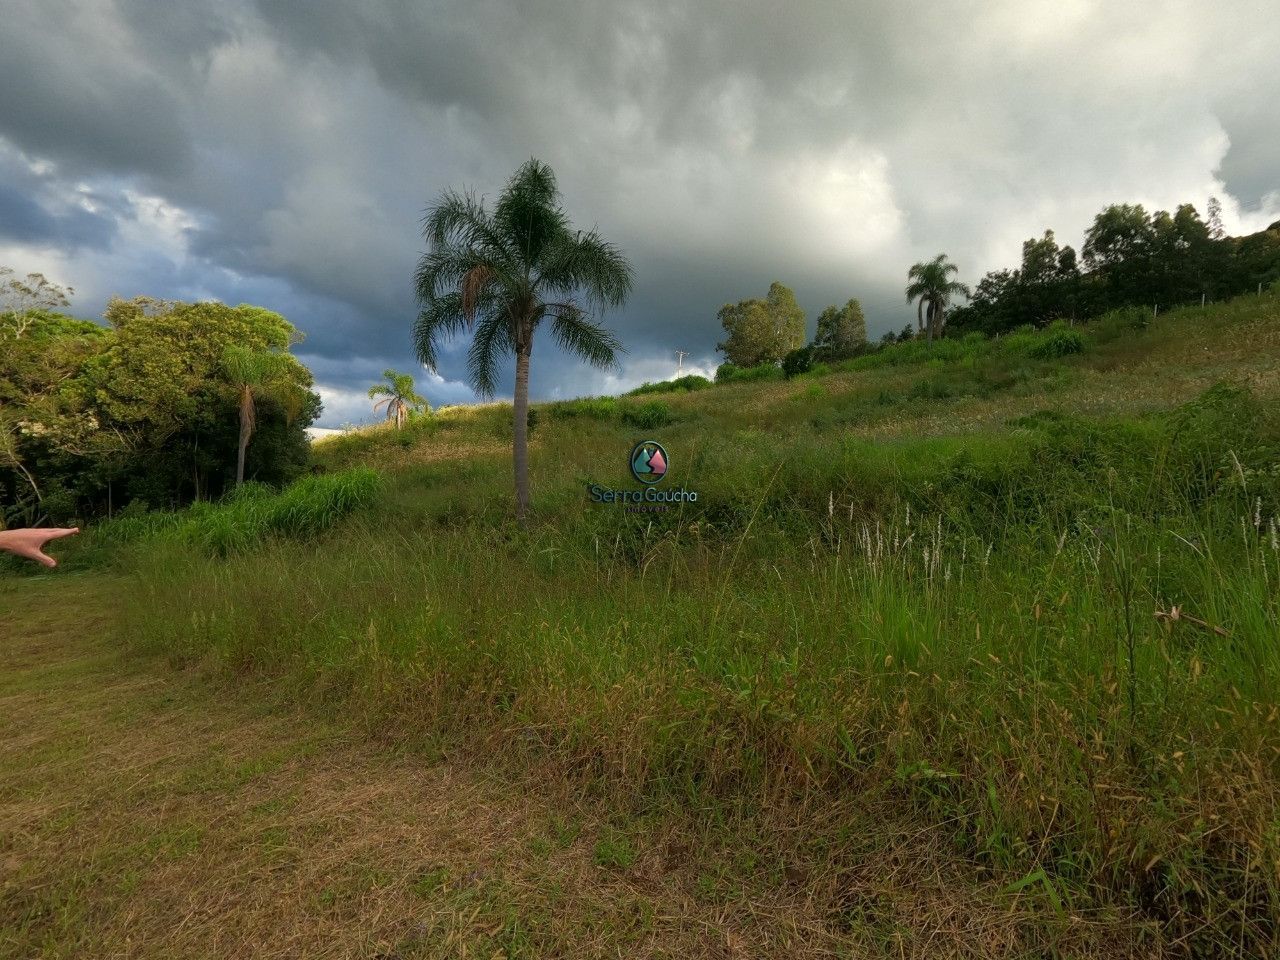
[
  {"x": 492, "y": 340},
  {"x": 441, "y": 317},
  {"x": 474, "y": 282},
  {"x": 461, "y": 220},
  {"x": 577, "y": 333},
  {"x": 528, "y": 212},
  {"x": 587, "y": 264},
  {"x": 500, "y": 273}
]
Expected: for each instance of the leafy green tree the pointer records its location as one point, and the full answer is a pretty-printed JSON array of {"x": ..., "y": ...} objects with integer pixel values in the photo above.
[
  {"x": 750, "y": 339},
  {"x": 762, "y": 331},
  {"x": 398, "y": 396},
  {"x": 93, "y": 417},
  {"x": 841, "y": 330},
  {"x": 501, "y": 273},
  {"x": 1119, "y": 248},
  {"x": 930, "y": 285}
]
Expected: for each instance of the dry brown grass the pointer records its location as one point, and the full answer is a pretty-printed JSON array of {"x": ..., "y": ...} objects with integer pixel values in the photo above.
[{"x": 145, "y": 813}]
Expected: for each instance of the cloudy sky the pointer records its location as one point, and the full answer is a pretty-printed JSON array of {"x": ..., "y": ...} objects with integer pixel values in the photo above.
[{"x": 282, "y": 152}]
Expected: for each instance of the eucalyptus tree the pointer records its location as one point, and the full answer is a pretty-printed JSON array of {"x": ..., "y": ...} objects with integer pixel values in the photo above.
[
  {"x": 398, "y": 396},
  {"x": 841, "y": 330},
  {"x": 762, "y": 330},
  {"x": 23, "y": 301},
  {"x": 931, "y": 285},
  {"x": 499, "y": 273}
]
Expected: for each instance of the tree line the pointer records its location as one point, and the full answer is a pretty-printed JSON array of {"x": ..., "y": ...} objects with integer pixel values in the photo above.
[
  {"x": 1128, "y": 258},
  {"x": 166, "y": 403}
]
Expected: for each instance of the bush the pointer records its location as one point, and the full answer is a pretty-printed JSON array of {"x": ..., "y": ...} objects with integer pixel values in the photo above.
[
  {"x": 687, "y": 383},
  {"x": 797, "y": 362},
  {"x": 725, "y": 372},
  {"x": 731, "y": 373},
  {"x": 910, "y": 352},
  {"x": 1058, "y": 342},
  {"x": 1117, "y": 323},
  {"x": 596, "y": 408},
  {"x": 814, "y": 391},
  {"x": 647, "y": 416}
]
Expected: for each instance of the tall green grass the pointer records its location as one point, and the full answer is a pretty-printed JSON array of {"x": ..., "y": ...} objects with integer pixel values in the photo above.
[
  {"x": 250, "y": 515},
  {"x": 961, "y": 630}
]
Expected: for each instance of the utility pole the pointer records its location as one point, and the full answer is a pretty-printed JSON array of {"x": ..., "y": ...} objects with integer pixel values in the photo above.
[{"x": 680, "y": 355}]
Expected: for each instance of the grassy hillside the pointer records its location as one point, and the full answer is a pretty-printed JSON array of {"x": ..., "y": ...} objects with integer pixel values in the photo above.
[{"x": 1000, "y": 611}]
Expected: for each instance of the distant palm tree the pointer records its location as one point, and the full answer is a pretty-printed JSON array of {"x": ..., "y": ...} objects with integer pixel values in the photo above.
[
  {"x": 501, "y": 273},
  {"x": 931, "y": 284},
  {"x": 398, "y": 396},
  {"x": 253, "y": 373}
]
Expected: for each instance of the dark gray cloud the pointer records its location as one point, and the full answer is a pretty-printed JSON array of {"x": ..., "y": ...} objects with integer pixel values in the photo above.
[
  {"x": 282, "y": 151},
  {"x": 76, "y": 85},
  {"x": 24, "y": 220},
  {"x": 38, "y": 208}
]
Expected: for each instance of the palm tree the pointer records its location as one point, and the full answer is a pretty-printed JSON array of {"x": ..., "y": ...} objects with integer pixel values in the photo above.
[
  {"x": 931, "y": 284},
  {"x": 252, "y": 373},
  {"x": 398, "y": 396},
  {"x": 500, "y": 273}
]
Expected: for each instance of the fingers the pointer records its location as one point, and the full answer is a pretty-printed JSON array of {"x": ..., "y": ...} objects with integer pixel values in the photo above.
[
  {"x": 33, "y": 552},
  {"x": 52, "y": 533},
  {"x": 27, "y": 543}
]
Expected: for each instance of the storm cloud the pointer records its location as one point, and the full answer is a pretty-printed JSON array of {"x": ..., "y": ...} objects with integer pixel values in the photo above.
[{"x": 282, "y": 152}]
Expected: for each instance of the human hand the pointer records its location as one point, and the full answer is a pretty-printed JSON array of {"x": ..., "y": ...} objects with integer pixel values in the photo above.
[{"x": 29, "y": 543}]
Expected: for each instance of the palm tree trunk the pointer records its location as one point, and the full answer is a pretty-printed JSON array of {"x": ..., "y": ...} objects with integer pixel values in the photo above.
[
  {"x": 244, "y": 444},
  {"x": 521, "y": 424},
  {"x": 246, "y": 430}
]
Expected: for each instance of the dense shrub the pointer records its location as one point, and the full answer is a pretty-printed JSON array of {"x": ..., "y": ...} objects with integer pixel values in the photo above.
[
  {"x": 596, "y": 408},
  {"x": 910, "y": 352},
  {"x": 1058, "y": 342},
  {"x": 797, "y": 362},
  {"x": 731, "y": 373},
  {"x": 1117, "y": 323},
  {"x": 648, "y": 416},
  {"x": 686, "y": 383}
]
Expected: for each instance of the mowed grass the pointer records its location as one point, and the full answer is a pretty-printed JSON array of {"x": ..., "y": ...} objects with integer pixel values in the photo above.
[
  {"x": 1020, "y": 611},
  {"x": 147, "y": 814}
]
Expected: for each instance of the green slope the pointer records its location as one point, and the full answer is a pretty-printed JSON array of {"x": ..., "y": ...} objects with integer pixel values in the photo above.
[{"x": 1021, "y": 609}]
